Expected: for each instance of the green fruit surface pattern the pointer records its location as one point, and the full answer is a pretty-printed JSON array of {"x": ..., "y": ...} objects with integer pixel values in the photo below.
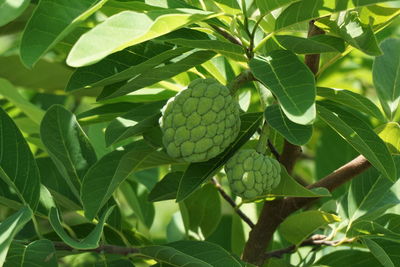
[
  {"x": 200, "y": 121},
  {"x": 252, "y": 174}
]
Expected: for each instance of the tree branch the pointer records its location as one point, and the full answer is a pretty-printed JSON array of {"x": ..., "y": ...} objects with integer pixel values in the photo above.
[
  {"x": 232, "y": 203},
  {"x": 274, "y": 212}
]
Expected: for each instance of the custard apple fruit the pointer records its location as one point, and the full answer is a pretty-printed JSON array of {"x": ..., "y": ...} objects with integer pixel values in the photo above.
[
  {"x": 200, "y": 121},
  {"x": 252, "y": 174}
]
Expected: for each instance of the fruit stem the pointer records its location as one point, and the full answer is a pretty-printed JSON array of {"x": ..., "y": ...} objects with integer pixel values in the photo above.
[{"x": 262, "y": 145}]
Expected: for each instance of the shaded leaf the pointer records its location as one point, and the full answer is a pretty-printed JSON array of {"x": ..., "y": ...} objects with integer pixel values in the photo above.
[
  {"x": 296, "y": 134},
  {"x": 135, "y": 122},
  {"x": 312, "y": 45},
  {"x": 123, "y": 65},
  {"x": 197, "y": 173},
  {"x": 155, "y": 75},
  {"x": 50, "y": 22},
  {"x": 108, "y": 173},
  {"x": 378, "y": 252},
  {"x": 67, "y": 145},
  {"x": 38, "y": 253},
  {"x": 351, "y": 100},
  {"x": 196, "y": 253},
  {"x": 296, "y": 228},
  {"x": 91, "y": 241},
  {"x": 202, "y": 210},
  {"x": 360, "y": 135},
  {"x": 268, "y": 6},
  {"x": 291, "y": 81},
  {"x": 128, "y": 28},
  {"x": 371, "y": 229},
  {"x": 166, "y": 188},
  {"x": 18, "y": 169},
  {"x": 10, "y": 227},
  {"x": 386, "y": 76}
]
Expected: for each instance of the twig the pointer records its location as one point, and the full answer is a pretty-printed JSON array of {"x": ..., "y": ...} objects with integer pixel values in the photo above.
[
  {"x": 244, "y": 77},
  {"x": 232, "y": 203},
  {"x": 227, "y": 35},
  {"x": 273, "y": 149},
  {"x": 315, "y": 240}
]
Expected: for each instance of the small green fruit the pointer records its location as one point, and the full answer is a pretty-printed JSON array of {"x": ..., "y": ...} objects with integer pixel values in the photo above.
[
  {"x": 200, "y": 122},
  {"x": 251, "y": 174}
]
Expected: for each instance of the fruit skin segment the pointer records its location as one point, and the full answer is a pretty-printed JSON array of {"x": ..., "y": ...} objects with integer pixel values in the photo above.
[
  {"x": 200, "y": 122},
  {"x": 252, "y": 174}
]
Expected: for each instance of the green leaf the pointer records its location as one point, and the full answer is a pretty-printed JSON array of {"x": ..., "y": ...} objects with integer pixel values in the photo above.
[
  {"x": 108, "y": 173},
  {"x": 128, "y": 28},
  {"x": 67, "y": 145},
  {"x": 268, "y": 6},
  {"x": 38, "y": 253},
  {"x": 10, "y": 227},
  {"x": 291, "y": 81},
  {"x": 364, "y": 228},
  {"x": 360, "y": 135},
  {"x": 123, "y": 65},
  {"x": 289, "y": 187},
  {"x": 378, "y": 252},
  {"x": 203, "y": 210},
  {"x": 390, "y": 134},
  {"x": 310, "y": 9},
  {"x": 56, "y": 184},
  {"x": 193, "y": 253},
  {"x": 136, "y": 198},
  {"x": 295, "y": 133},
  {"x": 348, "y": 26},
  {"x": 312, "y": 45},
  {"x": 91, "y": 241},
  {"x": 135, "y": 122},
  {"x": 197, "y": 173},
  {"x": 51, "y": 22},
  {"x": 296, "y": 228},
  {"x": 348, "y": 257},
  {"x": 150, "y": 77},
  {"x": 11, "y": 93},
  {"x": 196, "y": 39},
  {"x": 166, "y": 188},
  {"x": 386, "y": 76},
  {"x": 370, "y": 195},
  {"x": 351, "y": 100},
  {"x": 18, "y": 169},
  {"x": 105, "y": 113},
  {"x": 11, "y": 9}
]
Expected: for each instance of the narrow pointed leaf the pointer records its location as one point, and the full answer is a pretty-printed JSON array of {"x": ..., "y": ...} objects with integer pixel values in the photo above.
[
  {"x": 10, "y": 227},
  {"x": 108, "y": 173},
  {"x": 296, "y": 134},
  {"x": 38, "y": 253},
  {"x": 390, "y": 134},
  {"x": 128, "y": 28},
  {"x": 67, "y": 145},
  {"x": 290, "y": 81},
  {"x": 166, "y": 188},
  {"x": 386, "y": 76},
  {"x": 198, "y": 173},
  {"x": 18, "y": 169},
  {"x": 360, "y": 135},
  {"x": 378, "y": 252},
  {"x": 123, "y": 65},
  {"x": 91, "y": 241},
  {"x": 50, "y": 22},
  {"x": 155, "y": 75},
  {"x": 351, "y": 100},
  {"x": 268, "y": 6}
]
